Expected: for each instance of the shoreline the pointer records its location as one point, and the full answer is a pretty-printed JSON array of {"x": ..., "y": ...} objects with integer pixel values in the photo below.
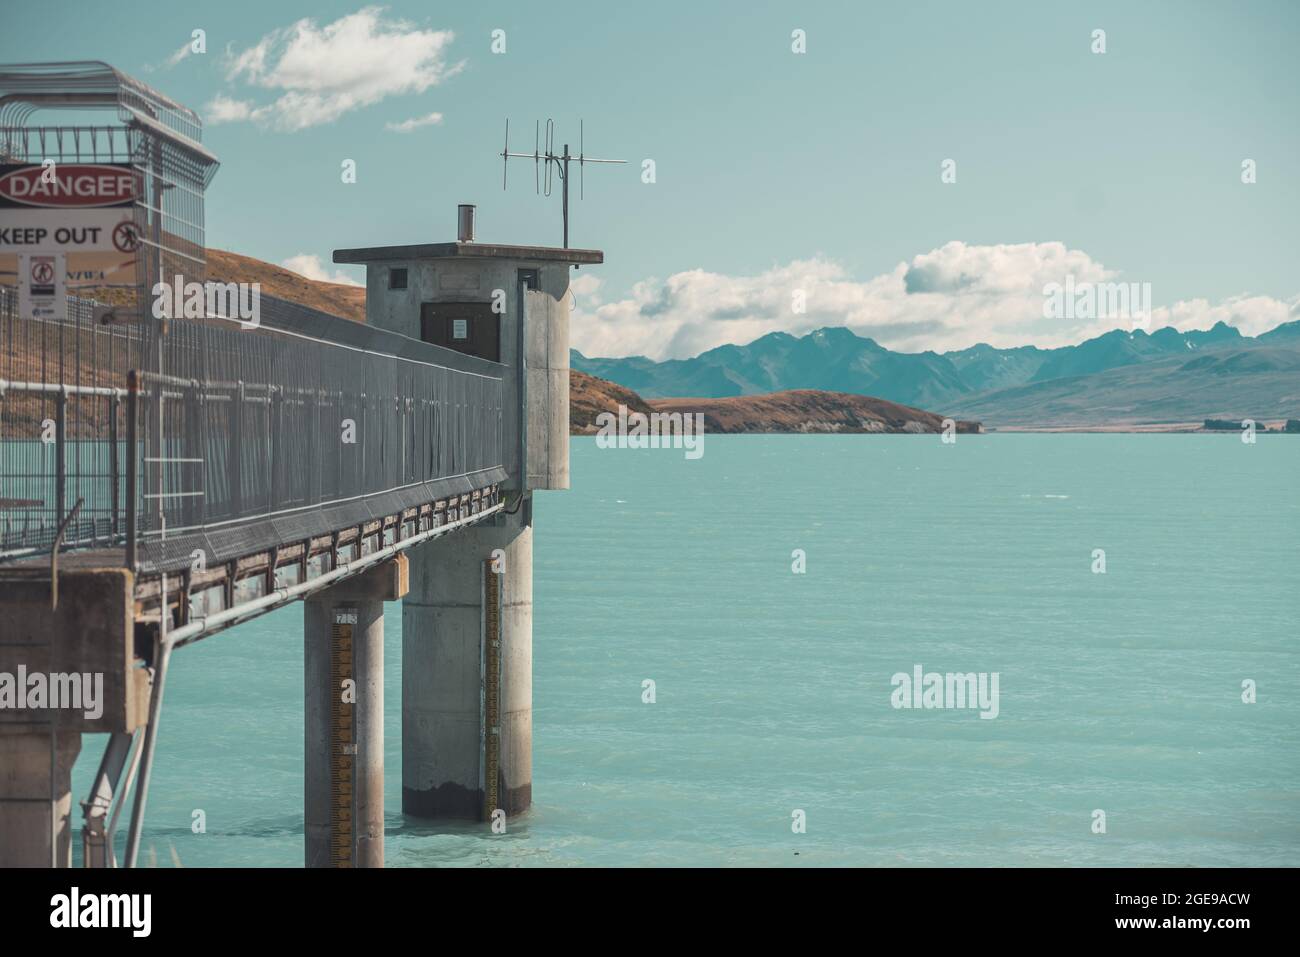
[{"x": 1128, "y": 429}]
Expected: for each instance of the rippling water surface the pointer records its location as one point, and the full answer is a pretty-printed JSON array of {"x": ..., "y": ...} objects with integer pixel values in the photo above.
[{"x": 1118, "y": 691}]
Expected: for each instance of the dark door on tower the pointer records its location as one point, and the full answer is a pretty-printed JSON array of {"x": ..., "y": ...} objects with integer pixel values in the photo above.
[{"x": 468, "y": 327}]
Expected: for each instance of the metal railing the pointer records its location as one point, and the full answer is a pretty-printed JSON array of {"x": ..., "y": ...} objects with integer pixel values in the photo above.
[
  {"x": 63, "y": 383},
  {"x": 62, "y": 427},
  {"x": 201, "y": 434}
]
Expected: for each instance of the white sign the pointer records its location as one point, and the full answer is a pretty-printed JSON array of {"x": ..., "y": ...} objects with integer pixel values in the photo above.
[
  {"x": 42, "y": 290},
  {"x": 84, "y": 210},
  {"x": 101, "y": 230}
]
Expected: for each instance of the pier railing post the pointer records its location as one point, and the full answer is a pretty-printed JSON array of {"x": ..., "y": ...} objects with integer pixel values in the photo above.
[
  {"x": 234, "y": 452},
  {"x": 60, "y": 456},
  {"x": 114, "y": 466},
  {"x": 132, "y": 467}
]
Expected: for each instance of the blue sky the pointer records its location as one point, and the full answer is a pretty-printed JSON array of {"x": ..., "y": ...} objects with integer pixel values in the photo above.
[{"x": 774, "y": 171}]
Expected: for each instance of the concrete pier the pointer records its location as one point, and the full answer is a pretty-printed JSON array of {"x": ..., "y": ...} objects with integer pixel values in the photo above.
[
  {"x": 89, "y": 635},
  {"x": 445, "y": 704},
  {"x": 36, "y": 798},
  {"x": 343, "y": 646}
]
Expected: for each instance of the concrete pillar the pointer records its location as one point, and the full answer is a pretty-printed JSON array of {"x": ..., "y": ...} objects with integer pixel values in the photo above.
[
  {"x": 443, "y": 700},
  {"x": 90, "y": 633},
  {"x": 343, "y": 629},
  {"x": 517, "y": 675},
  {"x": 546, "y": 350},
  {"x": 35, "y": 798}
]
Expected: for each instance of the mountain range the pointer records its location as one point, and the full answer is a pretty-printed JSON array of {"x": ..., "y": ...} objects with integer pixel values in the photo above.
[{"x": 1025, "y": 386}]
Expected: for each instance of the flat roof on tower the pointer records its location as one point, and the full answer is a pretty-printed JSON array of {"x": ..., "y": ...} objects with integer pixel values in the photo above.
[{"x": 369, "y": 254}]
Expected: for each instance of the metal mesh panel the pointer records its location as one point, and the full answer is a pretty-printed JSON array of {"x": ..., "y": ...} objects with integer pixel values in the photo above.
[
  {"x": 62, "y": 427},
  {"x": 243, "y": 426},
  {"x": 257, "y": 436}
]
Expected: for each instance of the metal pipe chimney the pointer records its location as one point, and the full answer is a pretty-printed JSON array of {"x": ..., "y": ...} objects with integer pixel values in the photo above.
[{"x": 465, "y": 223}]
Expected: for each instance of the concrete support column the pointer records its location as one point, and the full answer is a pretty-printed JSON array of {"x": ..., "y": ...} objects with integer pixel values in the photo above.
[
  {"x": 36, "y": 798},
  {"x": 343, "y": 629},
  {"x": 546, "y": 348},
  {"x": 444, "y": 700},
  {"x": 517, "y": 675}
]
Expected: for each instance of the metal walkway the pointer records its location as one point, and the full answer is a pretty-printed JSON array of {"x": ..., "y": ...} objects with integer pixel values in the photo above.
[{"x": 241, "y": 464}]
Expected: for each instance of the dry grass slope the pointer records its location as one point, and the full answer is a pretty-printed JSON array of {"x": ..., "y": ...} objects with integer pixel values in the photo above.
[{"x": 341, "y": 300}]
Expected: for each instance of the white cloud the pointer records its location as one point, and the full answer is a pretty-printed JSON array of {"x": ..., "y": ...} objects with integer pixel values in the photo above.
[
  {"x": 185, "y": 50},
  {"x": 311, "y": 266},
  {"x": 948, "y": 298},
  {"x": 587, "y": 286},
  {"x": 324, "y": 72},
  {"x": 224, "y": 109},
  {"x": 1251, "y": 314},
  {"x": 414, "y": 123},
  {"x": 958, "y": 269}
]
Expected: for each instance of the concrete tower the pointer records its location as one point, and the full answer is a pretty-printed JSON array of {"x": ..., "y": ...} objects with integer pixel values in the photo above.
[{"x": 467, "y": 618}]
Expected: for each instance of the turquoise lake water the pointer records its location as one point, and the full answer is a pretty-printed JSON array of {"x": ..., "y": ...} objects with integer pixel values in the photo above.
[{"x": 1119, "y": 691}]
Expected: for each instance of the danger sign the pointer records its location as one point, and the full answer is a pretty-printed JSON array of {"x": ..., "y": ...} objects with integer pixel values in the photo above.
[
  {"x": 87, "y": 211},
  {"x": 68, "y": 185},
  {"x": 74, "y": 207}
]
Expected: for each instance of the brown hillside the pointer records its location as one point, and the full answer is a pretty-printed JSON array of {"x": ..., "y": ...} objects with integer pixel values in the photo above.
[
  {"x": 590, "y": 396},
  {"x": 337, "y": 298},
  {"x": 808, "y": 410}
]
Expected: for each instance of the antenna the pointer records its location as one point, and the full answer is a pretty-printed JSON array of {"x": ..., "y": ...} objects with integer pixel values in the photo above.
[
  {"x": 557, "y": 163},
  {"x": 550, "y": 138}
]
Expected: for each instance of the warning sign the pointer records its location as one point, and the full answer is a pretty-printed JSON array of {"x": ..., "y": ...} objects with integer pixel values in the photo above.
[
  {"x": 42, "y": 275},
  {"x": 83, "y": 231},
  {"x": 125, "y": 237},
  {"x": 42, "y": 290},
  {"x": 84, "y": 210}
]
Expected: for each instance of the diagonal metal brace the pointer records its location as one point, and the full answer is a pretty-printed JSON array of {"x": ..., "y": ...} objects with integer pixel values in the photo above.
[{"x": 54, "y": 555}]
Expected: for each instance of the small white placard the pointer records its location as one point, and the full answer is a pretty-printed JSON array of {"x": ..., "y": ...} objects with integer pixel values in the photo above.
[{"x": 42, "y": 286}]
